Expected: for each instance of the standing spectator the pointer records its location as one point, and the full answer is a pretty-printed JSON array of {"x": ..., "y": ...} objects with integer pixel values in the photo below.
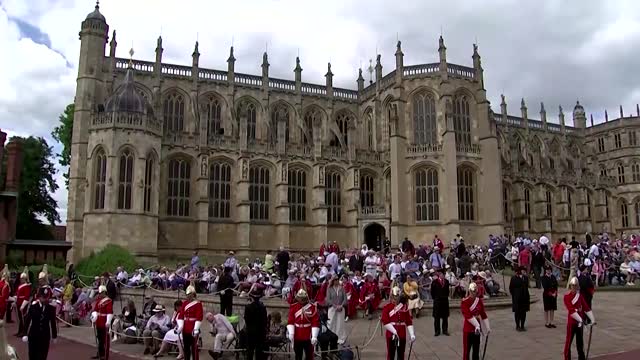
[
  {"x": 232, "y": 263},
  {"x": 225, "y": 289},
  {"x": 537, "y": 262},
  {"x": 524, "y": 259},
  {"x": 282, "y": 260},
  {"x": 436, "y": 259},
  {"x": 256, "y": 323},
  {"x": 519, "y": 289},
  {"x": 461, "y": 248},
  {"x": 549, "y": 296},
  {"x": 268, "y": 262},
  {"x": 407, "y": 247},
  {"x": 437, "y": 243},
  {"x": 440, "y": 295},
  {"x": 336, "y": 300},
  {"x": 195, "y": 261},
  {"x": 112, "y": 290},
  {"x": 356, "y": 262},
  {"x": 587, "y": 289}
]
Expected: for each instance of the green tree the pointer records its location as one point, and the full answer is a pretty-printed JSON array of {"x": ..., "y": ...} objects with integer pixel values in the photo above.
[
  {"x": 62, "y": 134},
  {"x": 37, "y": 184}
]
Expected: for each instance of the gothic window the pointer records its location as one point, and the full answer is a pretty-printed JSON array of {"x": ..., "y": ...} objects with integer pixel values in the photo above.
[
  {"x": 637, "y": 210},
  {"x": 424, "y": 119},
  {"x": 624, "y": 214},
  {"x": 588, "y": 205},
  {"x": 367, "y": 189},
  {"x": 603, "y": 171},
  {"x": 214, "y": 117},
  {"x": 549, "y": 207},
  {"x": 617, "y": 139},
  {"x": 605, "y": 197},
  {"x": 370, "y": 127},
  {"x": 527, "y": 206},
  {"x": 280, "y": 112},
  {"x": 251, "y": 121},
  {"x": 635, "y": 172},
  {"x": 310, "y": 118},
  {"x": 179, "y": 188},
  {"x": 173, "y": 108},
  {"x": 148, "y": 182},
  {"x": 333, "y": 196},
  {"x": 342, "y": 121},
  {"x": 506, "y": 202},
  {"x": 466, "y": 194},
  {"x": 462, "y": 120},
  {"x": 297, "y": 195},
  {"x": 100, "y": 179},
  {"x": 426, "y": 185},
  {"x": 125, "y": 179},
  {"x": 259, "y": 187},
  {"x": 220, "y": 190},
  {"x": 552, "y": 164},
  {"x": 633, "y": 141},
  {"x": 601, "y": 147},
  {"x": 620, "y": 174}
]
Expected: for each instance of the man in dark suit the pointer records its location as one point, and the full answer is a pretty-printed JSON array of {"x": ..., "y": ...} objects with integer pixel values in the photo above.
[
  {"x": 356, "y": 262},
  {"x": 519, "y": 289},
  {"x": 587, "y": 288},
  {"x": 225, "y": 289},
  {"x": 41, "y": 324},
  {"x": 255, "y": 318},
  {"x": 112, "y": 290},
  {"x": 440, "y": 296},
  {"x": 283, "y": 263}
]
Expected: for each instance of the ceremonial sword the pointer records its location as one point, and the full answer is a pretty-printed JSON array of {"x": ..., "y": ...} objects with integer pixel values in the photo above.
[
  {"x": 486, "y": 341},
  {"x": 589, "y": 341}
]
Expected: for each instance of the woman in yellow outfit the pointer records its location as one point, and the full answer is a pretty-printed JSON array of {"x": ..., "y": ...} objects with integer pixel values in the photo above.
[{"x": 410, "y": 288}]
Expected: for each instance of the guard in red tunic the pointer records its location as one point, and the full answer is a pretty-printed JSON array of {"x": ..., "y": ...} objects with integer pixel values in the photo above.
[
  {"x": 189, "y": 321},
  {"x": 397, "y": 321},
  {"x": 101, "y": 318},
  {"x": 578, "y": 310},
  {"x": 472, "y": 308},
  {"x": 5, "y": 291},
  {"x": 23, "y": 294},
  {"x": 303, "y": 326},
  {"x": 302, "y": 284},
  {"x": 352, "y": 297},
  {"x": 334, "y": 247}
]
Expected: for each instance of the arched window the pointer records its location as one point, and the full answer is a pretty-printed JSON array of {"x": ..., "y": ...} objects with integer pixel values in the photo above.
[
  {"x": 527, "y": 206},
  {"x": 251, "y": 121},
  {"x": 219, "y": 190},
  {"x": 605, "y": 202},
  {"x": 462, "y": 120},
  {"x": 173, "y": 109},
  {"x": 179, "y": 188},
  {"x": 424, "y": 119},
  {"x": 100, "y": 179},
  {"x": 548, "y": 197},
  {"x": 333, "y": 196},
  {"x": 506, "y": 202},
  {"x": 280, "y": 113},
  {"x": 636, "y": 207},
  {"x": 620, "y": 174},
  {"x": 635, "y": 172},
  {"x": 259, "y": 187},
  {"x": 148, "y": 182},
  {"x": 624, "y": 214},
  {"x": 310, "y": 118},
  {"x": 466, "y": 194},
  {"x": 370, "y": 127},
  {"x": 569, "y": 202},
  {"x": 342, "y": 120},
  {"x": 297, "y": 195},
  {"x": 367, "y": 190},
  {"x": 603, "y": 171},
  {"x": 125, "y": 180},
  {"x": 427, "y": 205},
  {"x": 214, "y": 117}
]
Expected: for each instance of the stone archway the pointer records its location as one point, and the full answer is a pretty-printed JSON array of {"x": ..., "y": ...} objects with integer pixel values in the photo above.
[{"x": 374, "y": 235}]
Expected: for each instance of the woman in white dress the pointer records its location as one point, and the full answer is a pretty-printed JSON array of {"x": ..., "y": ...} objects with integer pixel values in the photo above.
[{"x": 171, "y": 338}]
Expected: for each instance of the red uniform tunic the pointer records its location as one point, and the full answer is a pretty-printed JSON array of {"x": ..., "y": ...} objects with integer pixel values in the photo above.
[
  {"x": 334, "y": 248},
  {"x": 190, "y": 312},
  {"x": 322, "y": 250},
  {"x": 322, "y": 293},
  {"x": 104, "y": 307},
  {"x": 398, "y": 315},
  {"x": 22, "y": 294},
  {"x": 4, "y": 297},
  {"x": 472, "y": 307},
  {"x": 575, "y": 303},
  {"x": 370, "y": 292},
  {"x": 306, "y": 285},
  {"x": 352, "y": 298},
  {"x": 303, "y": 317}
]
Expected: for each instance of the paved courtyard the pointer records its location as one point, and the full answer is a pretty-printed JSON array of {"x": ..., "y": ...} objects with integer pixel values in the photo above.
[{"x": 617, "y": 313}]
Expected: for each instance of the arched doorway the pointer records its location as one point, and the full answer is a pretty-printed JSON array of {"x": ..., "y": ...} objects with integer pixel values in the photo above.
[{"x": 374, "y": 235}]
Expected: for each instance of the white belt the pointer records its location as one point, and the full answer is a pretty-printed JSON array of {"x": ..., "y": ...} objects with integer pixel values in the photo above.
[
  {"x": 398, "y": 324},
  {"x": 303, "y": 325}
]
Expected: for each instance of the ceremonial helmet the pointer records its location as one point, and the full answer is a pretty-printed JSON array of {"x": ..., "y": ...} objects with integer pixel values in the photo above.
[
  {"x": 102, "y": 289},
  {"x": 573, "y": 282},
  {"x": 44, "y": 273},
  {"x": 302, "y": 295},
  {"x": 190, "y": 290},
  {"x": 396, "y": 292},
  {"x": 25, "y": 273},
  {"x": 473, "y": 288}
]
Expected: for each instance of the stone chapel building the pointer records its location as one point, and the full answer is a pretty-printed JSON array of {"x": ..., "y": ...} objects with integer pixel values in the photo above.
[{"x": 167, "y": 159}]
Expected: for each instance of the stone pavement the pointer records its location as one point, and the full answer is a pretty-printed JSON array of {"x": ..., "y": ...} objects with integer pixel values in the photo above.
[{"x": 616, "y": 312}]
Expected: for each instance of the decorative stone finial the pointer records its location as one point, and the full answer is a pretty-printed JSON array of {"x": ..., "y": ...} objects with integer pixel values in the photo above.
[
  {"x": 542, "y": 110},
  {"x": 131, "y": 52}
]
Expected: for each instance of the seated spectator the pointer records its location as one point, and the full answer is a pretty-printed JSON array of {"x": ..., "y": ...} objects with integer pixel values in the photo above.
[
  {"x": 171, "y": 337},
  {"x": 223, "y": 333},
  {"x": 277, "y": 332},
  {"x": 156, "y": 328},
  {"x": 126, "y": 323}
]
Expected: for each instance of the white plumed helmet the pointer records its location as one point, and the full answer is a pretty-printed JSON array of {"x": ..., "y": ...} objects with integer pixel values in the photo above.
[
  {"x": 190, "y": 290},
  {"x": 102, "y": 289}
]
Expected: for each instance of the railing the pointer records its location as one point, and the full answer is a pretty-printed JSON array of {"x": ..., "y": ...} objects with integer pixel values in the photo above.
[
  {"x": 368, "y": 155},
  {"x": 176, "y": 138},
  {"x": 345, "y": 94},
  {"x": 461, "y": 71},
  {"x": 468, "y": 148},
  {"x": 423, "y": 69},
  {"x": 416, "y": 149},
  {"x": 300, "y": 150},
  {"x": 313, "y": 89},
  {"x": 249, "y": 80},
  {"x": 176, "y": 70},
  {"x": 261, "y": 146},
  {"x": 373, "y": 210},
  {"x": 333, "y": 152},
  {"x": 124, "y": 120},
  {"x": 142, "y": 66},
  {"x": 280, "y": 84},
  {"x": 214, "y": 75},
  {"x": 222, "y": 142}
]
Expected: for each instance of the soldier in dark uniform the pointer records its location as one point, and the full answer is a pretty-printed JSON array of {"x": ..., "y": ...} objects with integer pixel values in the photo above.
[
  {"x": 41, "y": 325},
  {"x": 440, "y": 296},
  {"x": 519, "y": 289},
  {"x": 256, "y": 323}
]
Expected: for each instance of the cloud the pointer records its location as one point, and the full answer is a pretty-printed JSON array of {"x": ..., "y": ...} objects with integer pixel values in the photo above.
[{"x": 554, "y": 51}]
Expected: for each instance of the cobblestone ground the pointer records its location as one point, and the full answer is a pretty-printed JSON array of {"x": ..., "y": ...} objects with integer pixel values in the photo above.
[{"x": 614, "y": 338}]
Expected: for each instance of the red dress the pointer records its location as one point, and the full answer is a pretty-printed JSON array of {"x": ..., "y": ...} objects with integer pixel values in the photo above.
[{"x": 370, "y": 292}]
